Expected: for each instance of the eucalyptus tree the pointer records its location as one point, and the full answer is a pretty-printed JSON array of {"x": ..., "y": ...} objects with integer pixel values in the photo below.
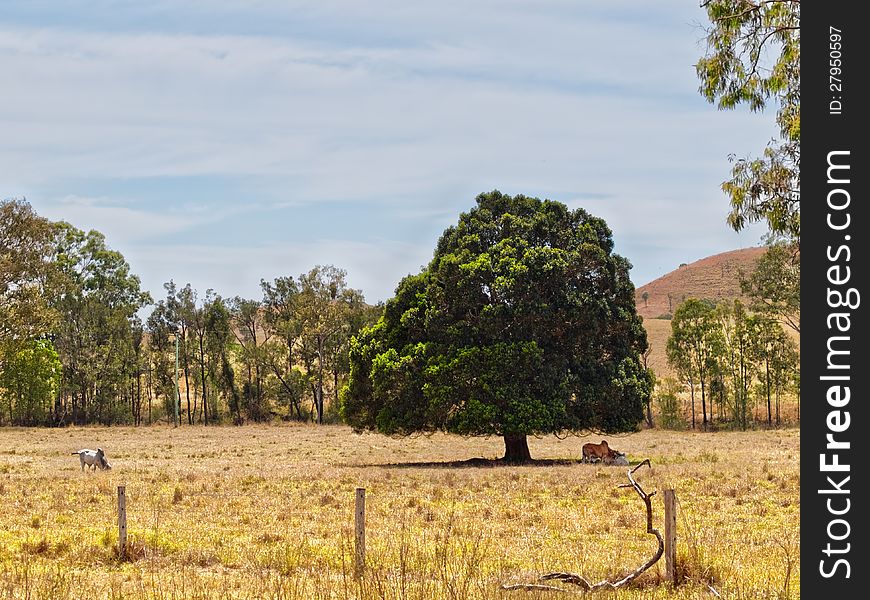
[
  {"x": 97, "y": 299},
  {"x": 323, "y": 309},
  {"x": 29, "y": 383},
  {"x": 753, "y": 59},
  {"x": 695, "y": 342},
  {"x": 26, "y": 260},
  {"x": 161, "y": 330},
  {"x": 741, "y": 333},
  {"x": 282, "y": 354},
  {"x": 181, "y": 306},
  {"x": 219, "y": 328},
  {"x": 774, "y": 285},
  {"x": 777, "y": 355},
  {"x": 523, "y": 323},
  {"x": 251, "y": 334},
  {"x": 200, "y": 322},
  {"x": 138, "y": 360}
]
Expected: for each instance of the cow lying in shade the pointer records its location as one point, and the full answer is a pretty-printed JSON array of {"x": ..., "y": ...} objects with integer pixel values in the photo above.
[
  {"x": 603, "y": 453},
  {"x": 93, "y": 459}
]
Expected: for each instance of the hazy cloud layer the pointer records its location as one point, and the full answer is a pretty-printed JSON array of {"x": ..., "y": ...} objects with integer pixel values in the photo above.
[{"x": 225, "y": 142}]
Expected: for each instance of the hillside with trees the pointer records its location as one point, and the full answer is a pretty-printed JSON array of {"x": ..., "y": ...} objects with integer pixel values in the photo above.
[
  {"x": 724, "y": 343},
  {"x": 713, "y": 278}
]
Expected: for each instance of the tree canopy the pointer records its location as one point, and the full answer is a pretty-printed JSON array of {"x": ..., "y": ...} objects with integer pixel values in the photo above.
[
  {"x": 25, "y": 266},
  {"x": 774, "y": 285},
  {"x": 523, "y": 323},
  {"x": 753, "y": 59}
]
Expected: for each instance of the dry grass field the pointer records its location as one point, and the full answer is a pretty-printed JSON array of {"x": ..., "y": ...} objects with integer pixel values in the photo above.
[{"x": 267, "y": 512}]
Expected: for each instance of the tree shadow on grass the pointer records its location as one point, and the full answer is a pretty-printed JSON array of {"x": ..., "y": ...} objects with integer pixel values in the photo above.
[{"x": 472, "y": 463}]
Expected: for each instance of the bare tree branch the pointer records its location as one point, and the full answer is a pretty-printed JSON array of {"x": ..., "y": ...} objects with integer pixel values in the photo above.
[{"x": 584, "y": 583}]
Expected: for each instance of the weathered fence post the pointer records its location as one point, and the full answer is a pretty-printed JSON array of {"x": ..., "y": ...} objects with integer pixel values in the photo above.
[
  {"x": 670, "y": 500},
  {"x": 360, "y": 538},
  {"x": 122, "y": 522}
]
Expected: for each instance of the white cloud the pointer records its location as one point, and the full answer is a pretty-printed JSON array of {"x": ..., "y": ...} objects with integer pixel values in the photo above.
[
  {"x": 413, "y": 108},
  {"x": 127, "y": 224}
]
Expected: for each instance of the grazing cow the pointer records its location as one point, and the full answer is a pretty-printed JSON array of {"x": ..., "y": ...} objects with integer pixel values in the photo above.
[
  {"x": 93, "y": 458},
  {"x": 604, "y": 453}
]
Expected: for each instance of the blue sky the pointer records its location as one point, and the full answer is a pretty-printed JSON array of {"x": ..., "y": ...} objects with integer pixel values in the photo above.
[{"x": 224, "y": 142}]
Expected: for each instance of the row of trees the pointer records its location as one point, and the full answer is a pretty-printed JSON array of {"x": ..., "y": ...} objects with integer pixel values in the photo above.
[
  {"x": 73, "y": 348},
  {"x": 729, "y": 358},
  {"x": 283, "y": 355}
]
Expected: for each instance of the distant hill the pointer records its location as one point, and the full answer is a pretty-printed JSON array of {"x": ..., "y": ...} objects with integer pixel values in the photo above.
[{"x": 714, "y": 278}]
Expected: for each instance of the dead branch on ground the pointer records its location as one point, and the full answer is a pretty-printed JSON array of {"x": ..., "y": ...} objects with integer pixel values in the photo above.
[{"x": 584, "y": 583}]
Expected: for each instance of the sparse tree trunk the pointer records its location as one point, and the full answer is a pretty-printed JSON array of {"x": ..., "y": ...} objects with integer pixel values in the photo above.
[
  {"x": 187, "y": 388},
  {"x": 692, "y": 390},
  {"x": 777, "y": 406},
  {"x": 645, "y": 356},
  {"x": 703, "y": 405},
  {"x": 150, "y": 387},
  {"x": 320, "y": 380},
  {"x": 259, "y": 390},
  {"x": 516, "y": 448},
  {"x": 202, "y": 377},
  {"x": 767, "y": 390}
]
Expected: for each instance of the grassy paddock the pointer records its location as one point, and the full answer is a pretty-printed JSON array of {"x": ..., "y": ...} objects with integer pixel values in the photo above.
[{"x": 267, "y": 512}]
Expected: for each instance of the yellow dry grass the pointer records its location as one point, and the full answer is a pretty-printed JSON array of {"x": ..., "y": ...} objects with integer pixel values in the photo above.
[
  {"x": 267, "y": 512},
  {"x": 657, "y": 333}
]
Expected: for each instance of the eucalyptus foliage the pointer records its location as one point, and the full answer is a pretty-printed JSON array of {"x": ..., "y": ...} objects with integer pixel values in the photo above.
[{"x": 753, "y": 59}]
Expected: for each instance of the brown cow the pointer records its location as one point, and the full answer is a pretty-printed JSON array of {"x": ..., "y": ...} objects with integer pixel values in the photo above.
[{"x": 600, "y": 452}]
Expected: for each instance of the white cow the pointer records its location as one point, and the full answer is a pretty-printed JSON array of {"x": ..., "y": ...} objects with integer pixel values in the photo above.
[
  {"x": 619, "y": 460},
  {"x": 93, "y": 458}
]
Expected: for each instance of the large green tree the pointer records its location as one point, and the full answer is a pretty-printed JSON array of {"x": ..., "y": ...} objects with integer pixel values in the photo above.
[
  {"x": 523, "y": 323},
  {"x": 753, "y": 59}
]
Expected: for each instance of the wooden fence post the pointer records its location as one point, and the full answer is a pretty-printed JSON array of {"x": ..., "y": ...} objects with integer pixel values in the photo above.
[
  {"x": 670, "y": 500},
  {"x": 122, "y": 522},
  {"x": 360, "y": 537}
]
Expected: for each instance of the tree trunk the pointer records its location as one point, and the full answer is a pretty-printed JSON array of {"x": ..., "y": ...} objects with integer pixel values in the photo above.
[
  {"x": 187, "y": 391},
  {"x": 767, "y": 389},
  {"x": 149, "y": 387},
  {"x": 516, "y": 449},
  {"x": 320, "y": 380},
  {"x": 692, "y": 391},
  {"x": 202, "y": 377},
  {"x": 703, "y": 404}
]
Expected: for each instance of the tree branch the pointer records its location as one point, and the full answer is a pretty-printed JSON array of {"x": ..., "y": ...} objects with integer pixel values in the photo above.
[
  {"x": 753, "y": 8},
  {"x": 584, "y": 583}
]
